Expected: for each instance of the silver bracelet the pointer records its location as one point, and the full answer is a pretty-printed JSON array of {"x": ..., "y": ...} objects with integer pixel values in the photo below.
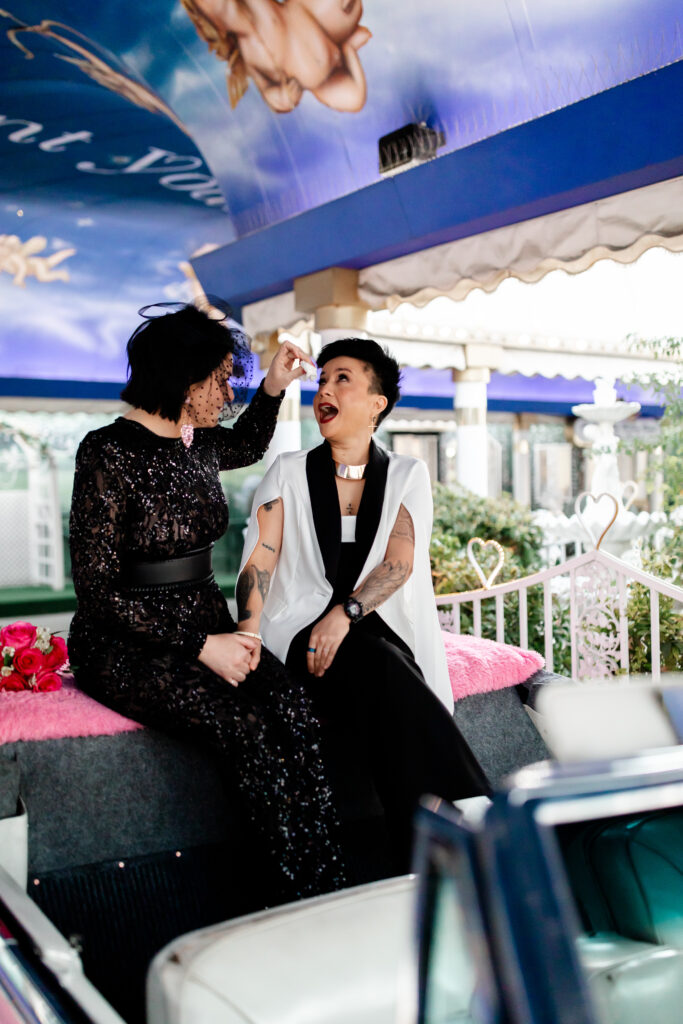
[{"x": 244, "y": 632}]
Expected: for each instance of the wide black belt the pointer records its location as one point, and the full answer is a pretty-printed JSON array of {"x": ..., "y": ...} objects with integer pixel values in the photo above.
[{"x": 193, "y": 567}]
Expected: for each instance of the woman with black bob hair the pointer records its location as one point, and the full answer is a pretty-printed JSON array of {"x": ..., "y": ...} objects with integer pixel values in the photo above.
[
  {"x": 152, "y": 636},
  {"x": 169, "y": 353},
  {"x": 339, "y": 540}
]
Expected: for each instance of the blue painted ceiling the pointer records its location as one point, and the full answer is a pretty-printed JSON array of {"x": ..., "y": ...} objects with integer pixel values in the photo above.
[{"x": 136, "y": 135}]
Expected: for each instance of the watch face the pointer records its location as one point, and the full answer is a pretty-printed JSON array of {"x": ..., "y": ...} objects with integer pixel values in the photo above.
[{"x": 353, "y": 609}]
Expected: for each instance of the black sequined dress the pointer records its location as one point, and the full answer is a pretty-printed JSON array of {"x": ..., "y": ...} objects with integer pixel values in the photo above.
[{"x": 138, "y": 496}]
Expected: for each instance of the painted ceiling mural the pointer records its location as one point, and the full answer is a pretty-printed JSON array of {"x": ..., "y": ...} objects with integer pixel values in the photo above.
[{"x": 134, "y": 136}]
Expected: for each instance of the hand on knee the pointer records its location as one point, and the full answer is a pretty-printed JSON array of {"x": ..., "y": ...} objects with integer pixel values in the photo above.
[{"x": 326, "y": 639}]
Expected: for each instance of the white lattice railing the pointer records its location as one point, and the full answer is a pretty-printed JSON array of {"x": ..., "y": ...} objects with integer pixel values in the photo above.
[{"x": 595, "y": 585}]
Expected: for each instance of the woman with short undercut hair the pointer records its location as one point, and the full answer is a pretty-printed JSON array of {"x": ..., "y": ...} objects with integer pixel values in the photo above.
[{"x": 343, "y": 533}]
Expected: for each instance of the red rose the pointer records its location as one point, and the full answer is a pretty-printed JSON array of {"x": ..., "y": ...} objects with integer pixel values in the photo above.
[
  {"x": 57, "y": 655},
  {"x": 48, "y": 681},
  {"x": 18, "y": 635},
  {"x": 12, "y": 683},
  {"x": 29, "y": 660}
]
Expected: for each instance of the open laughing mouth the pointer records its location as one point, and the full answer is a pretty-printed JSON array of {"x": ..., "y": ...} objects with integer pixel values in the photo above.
[{"x": 327, "y": 412}]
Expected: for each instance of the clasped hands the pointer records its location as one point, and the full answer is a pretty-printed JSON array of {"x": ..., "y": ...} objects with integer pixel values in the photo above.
[{"x": 230, "y": 656}]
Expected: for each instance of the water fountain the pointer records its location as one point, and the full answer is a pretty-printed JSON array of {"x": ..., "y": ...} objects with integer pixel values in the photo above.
[{"x": 592, "y": 516}]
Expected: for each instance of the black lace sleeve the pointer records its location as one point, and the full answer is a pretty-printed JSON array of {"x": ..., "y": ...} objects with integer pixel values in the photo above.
[
  {"x": 98, "y": 544},
  {"x": 247, "y": 441}
]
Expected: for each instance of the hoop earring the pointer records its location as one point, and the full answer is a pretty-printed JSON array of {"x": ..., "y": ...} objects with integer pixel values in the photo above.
[{"x": 187, "y": 428}]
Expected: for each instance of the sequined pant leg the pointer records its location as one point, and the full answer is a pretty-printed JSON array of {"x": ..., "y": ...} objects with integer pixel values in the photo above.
[{"x": 265, "y": 735}]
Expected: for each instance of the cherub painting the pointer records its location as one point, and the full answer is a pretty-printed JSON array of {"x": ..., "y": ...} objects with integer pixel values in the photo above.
[
  {"x": 19, "y": 260},
  {"x": 287, "y": 46}
]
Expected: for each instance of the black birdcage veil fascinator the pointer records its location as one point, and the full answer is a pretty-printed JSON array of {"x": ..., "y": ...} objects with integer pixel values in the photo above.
[{"x": 230, "y": 381}]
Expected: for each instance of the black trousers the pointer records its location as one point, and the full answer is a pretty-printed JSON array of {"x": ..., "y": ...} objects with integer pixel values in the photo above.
[{"x": 387, "y": 739}]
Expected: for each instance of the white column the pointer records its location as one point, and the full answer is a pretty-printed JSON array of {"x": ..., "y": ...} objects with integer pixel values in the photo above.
[
  {"x": 287, "y": 436},
  {"x": 521, "y": 464},
  {"x": 471, "y": 457}
]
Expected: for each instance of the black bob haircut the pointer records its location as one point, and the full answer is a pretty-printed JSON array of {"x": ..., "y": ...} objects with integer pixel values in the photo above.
[
  {"x": 166, "y": 354},
  {"x": 385, "y": 375}
]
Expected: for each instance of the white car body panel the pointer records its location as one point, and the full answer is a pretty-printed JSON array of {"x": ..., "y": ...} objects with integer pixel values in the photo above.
[{"x": 329, "y": 960}]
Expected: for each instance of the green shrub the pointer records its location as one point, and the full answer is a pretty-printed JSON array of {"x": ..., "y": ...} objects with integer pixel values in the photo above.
[
  {"x": 666, "y": 564},
  {"x": 665, "y": 449},
  {"x": 459, "y": 515}
]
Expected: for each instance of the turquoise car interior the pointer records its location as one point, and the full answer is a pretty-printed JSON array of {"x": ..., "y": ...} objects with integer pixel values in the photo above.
[{"x": 626, "y": 876}]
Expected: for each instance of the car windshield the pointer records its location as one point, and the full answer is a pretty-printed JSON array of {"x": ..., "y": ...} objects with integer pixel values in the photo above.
[{"x": 457, "y": 979}]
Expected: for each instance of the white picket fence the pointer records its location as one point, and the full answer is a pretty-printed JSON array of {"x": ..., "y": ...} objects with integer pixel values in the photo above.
[{"x": 596, "y": 586}]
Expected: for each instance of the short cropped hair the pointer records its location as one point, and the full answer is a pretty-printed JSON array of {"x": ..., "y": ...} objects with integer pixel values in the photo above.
[
  {"x": 167, "y": 354},
  {"x": 385, "y": 374}
]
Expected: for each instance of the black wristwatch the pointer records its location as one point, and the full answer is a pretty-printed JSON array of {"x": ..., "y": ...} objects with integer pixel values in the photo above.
[{"x": 354, "y": 609}]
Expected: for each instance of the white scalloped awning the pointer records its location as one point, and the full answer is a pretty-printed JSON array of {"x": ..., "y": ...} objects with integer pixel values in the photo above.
[
  {"x": 620, "y": 227},
  {"x": 571, "y": 365},
  {"x": 569, "y": 324},
  {"x": 421, "y": 354}
]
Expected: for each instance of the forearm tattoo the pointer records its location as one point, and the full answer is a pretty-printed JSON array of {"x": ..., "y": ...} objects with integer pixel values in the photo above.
[
  {"x": 267, "y": 546},
  {"x": 251, "y": 578},
  {"x": 403, "y": 527},
  {"x": 381, "y": 583}
]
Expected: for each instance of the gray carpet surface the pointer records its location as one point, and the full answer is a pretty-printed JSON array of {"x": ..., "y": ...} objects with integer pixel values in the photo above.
[
  {"x": 500, "y": 733},
  {"x": 9, "y": 786},
  {"x": 100, "y": 798},
  {"x": 97, "y": 798}
]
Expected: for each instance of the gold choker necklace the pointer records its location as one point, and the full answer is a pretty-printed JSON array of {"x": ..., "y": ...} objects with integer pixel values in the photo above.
[{"x": 349, "y": 472}]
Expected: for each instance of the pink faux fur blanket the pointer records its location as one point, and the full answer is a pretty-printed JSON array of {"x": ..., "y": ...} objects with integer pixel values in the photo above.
[
  {"x": 52, "y": 716},
  {"x": 478, "y": 666},
  {"x": 474, "y": 666}
]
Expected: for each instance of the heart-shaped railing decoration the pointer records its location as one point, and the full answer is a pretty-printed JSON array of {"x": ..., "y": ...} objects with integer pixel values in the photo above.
[
  {"x": 595, "y": 498},
  {"x": 486, "y": 581},
  {"x": 630, "y": 489}
]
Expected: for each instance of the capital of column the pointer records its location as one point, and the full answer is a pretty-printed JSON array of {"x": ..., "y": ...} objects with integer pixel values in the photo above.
[
  {"x": 332, "y": 296},
  {"x": 473, "y": 374},
  {"x": 340, "y": 318},
  {"x": 334, "y": 286}
]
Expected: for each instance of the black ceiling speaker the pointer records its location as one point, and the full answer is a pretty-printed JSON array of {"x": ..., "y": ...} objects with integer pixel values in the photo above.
[{"x": 407, "y": 147}]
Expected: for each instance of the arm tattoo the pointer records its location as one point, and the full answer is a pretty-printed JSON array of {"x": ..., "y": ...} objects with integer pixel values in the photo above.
[
  {"x": 263, "y": 580},
  {"x": 268, "y": 505},
  {"x": 403, "y": 527},
  {"x": 381, "y": 583},
  {"x": 263, "y": 544},
  {"x": 244, "y": 587},
  {"x": 251, "y": 577}
]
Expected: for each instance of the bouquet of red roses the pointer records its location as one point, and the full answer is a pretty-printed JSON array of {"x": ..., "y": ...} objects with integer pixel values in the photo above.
[{"x": 30, "y": 658}]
